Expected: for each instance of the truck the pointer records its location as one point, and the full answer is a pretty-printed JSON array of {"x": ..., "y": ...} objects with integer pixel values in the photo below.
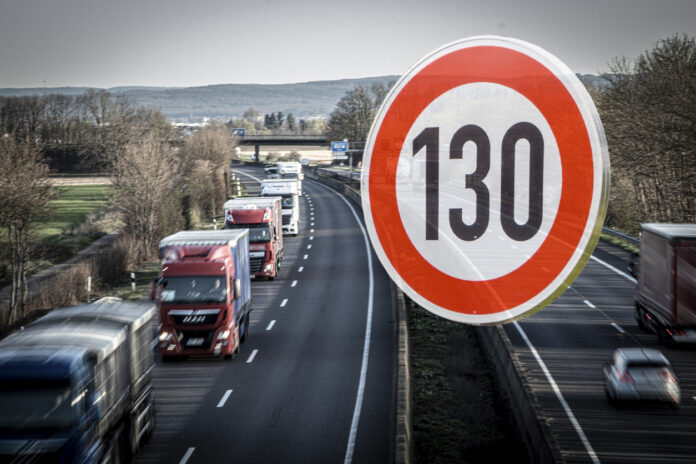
[
  {"x": 204, "y": 293},
  {"x": 290, "y": 167},
  {"x": 75, "y": 386},
  {"x": 665, "y": 298},
  {"x": 287, "y": 189},
  {"x": 263, "y": 217}
]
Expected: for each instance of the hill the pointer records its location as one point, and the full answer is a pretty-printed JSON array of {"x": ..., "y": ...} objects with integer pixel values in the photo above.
[{"x": 227, "y": 101}]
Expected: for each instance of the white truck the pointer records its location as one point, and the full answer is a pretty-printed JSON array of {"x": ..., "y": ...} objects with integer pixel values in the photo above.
[
  {"x": 287, "y": 189},
  {"x": 290, "y": 167}
]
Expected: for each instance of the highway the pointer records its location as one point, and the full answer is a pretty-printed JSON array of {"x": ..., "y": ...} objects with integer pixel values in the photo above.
[
  {"x": 314, "y": 381},
  {"x": 573, "y": 337}
]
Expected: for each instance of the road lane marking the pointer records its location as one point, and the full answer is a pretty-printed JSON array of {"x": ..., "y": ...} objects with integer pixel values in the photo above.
[
  {"x": 559, "y": 395},
  {"x": 294, "y": 282},
  {"x": 618, "y": 327},
  {"x": 186, "y": 457},
  {"x": 312, "y": 225},
  {"x": 253, "y": 355},
  {"x": 270, "y": 325},
  {"x": 283, "y": 303},
  {"x": 311, "y": 237},
  {"x": 609, "y": 266},
  {"x": 309, "y": 247},
  {"x": 350, "y": 447},
  {"x": 589, "y": 304},
  {"x": 311, "y": 230},
  {"x": 224, "y": 398},
  {"x": 248, "y": 175},
  {"x": 305, "y": 257}
]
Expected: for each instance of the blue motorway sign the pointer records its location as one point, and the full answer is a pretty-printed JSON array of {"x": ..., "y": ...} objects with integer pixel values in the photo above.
[
  {"x": 339, "y": 146},
  {"x": 239, "y": 132}
]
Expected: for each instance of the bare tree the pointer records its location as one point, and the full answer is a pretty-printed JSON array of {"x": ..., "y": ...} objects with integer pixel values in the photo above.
[
  {"x": 146, "y": 176},
  {"x": 25, "y": 191}
]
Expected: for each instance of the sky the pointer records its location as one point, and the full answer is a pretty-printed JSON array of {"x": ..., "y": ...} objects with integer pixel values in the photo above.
[{"x": 177, "y": 43}]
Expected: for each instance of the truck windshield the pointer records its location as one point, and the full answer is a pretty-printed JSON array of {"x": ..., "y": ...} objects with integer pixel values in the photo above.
[
  {"x": 31, "y": 406},
  {"x": 258, "y": 233},
  {"x": 289, "y": 175},
  {"x": 288, "y": 201},
  {"x": 194, "y": 289}
]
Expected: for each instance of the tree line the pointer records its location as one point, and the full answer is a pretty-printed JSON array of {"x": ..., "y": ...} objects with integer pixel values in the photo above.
[
  {"x": 162, "y": 183},
  {"x": 276, "y": 123}
]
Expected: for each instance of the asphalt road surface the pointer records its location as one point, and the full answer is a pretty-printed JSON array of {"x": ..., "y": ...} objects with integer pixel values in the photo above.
[
  {"x": 314, "y": 381},
  {"x": 573, "y": 338}
]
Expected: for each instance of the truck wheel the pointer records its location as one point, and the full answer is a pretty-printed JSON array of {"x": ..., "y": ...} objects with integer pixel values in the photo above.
[{"x": 244, "y": 328}]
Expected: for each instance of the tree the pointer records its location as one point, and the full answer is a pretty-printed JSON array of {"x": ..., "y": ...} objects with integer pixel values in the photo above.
[
  {"x": 354, "y": 113},
  {"x": 290, "y": 121},
  {"x": 146, "y": 176},
  {"x": 649, "y": 116},
  {"x": 25, "y": 191}
]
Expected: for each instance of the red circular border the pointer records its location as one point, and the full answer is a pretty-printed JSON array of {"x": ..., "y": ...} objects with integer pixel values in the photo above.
[{"x": 543, "y": 88}]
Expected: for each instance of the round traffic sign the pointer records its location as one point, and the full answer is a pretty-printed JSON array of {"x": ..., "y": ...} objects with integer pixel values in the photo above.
[{"x": 485, "y": 180}]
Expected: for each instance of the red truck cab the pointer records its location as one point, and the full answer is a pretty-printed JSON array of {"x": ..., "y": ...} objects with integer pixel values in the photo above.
[
  {"x": 204, "y": 293},
  {"x": 263, "y": 217}
]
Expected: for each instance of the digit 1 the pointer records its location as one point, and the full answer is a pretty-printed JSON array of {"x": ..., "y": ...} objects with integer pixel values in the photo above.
[
  {"x": 474, "y": 181},
  {"x": 529, "y": 132},
  {"x": 430, "y": 139}
]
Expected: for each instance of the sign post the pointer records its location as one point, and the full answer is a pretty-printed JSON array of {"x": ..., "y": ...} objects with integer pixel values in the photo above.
[{"x": 485, "y": 180}]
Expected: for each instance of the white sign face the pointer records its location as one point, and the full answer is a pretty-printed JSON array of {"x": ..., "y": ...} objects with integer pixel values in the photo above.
[{"x": 485, "y": 180}]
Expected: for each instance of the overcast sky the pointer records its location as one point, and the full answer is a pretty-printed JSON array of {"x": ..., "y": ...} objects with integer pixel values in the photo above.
[{"x": 101, "y": 43}]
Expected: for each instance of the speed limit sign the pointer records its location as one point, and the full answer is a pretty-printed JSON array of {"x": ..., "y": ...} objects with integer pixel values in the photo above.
[{"x": 485, "y": 180}]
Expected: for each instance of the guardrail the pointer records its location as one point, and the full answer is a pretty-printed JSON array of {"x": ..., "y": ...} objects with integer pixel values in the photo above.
[{"x": 621, "y": 235}]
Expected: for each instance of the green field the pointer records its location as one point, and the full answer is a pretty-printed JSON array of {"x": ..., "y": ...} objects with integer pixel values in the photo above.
[{"x": 72, "y": 207}]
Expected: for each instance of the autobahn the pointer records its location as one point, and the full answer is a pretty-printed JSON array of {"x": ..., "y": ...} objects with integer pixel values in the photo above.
[
  {"x": 562, "y": 350},
  {"x": 314, "y": 381}
]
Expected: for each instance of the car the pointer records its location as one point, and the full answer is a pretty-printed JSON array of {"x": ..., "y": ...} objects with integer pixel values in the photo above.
[
  {"x": 641, "y": 374},
  {"x": 270, "y": 169}
]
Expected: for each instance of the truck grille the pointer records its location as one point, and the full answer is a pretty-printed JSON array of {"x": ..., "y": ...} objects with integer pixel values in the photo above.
[
  {"x": 255, "y": 265},
  {"x": 286, "y": 219},
  {"x": 195, "y": 319}
]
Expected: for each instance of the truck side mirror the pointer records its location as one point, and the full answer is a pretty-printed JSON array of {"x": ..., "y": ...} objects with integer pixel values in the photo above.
[{"x": 237, "y": 288}]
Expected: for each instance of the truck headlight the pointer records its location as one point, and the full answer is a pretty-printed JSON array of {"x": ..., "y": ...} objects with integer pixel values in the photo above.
[
  {"x": 224, "y": 335},
  {"x": 165, "y": 336}
]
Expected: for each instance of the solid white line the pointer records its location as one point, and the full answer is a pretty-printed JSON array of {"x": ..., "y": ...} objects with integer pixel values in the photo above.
[
  {"x": 270, "y": 325},
  {"x": 589, "y": 304},
  {"x": 305, "y": 257},
  {"x": 253, "y": 355},
  {"x": 609, "y": 266},
  {"x": 283, "y": 303},
  {"x": 559, "y": 395},
  {"x": 368, "y": 331},
  {"x": 186, "y": 457},
  {"x": 224, "y": 398},
  {"x": 248, "y": 175},
  {"x": 300, "y": 269},
  {"x": 309, "y": 247}
]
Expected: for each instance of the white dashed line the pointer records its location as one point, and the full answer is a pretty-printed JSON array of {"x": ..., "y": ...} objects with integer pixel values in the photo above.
[
  {"x": 283, "y": 303},
  {"x": 253, "y": 355},
  {"x": 311, "y": 237},
  {"x": 309, "y": 247},
  {"x": 270, "y": 325},
  {"x": 305, "y": 257},
  {"x": 294, "y": 282},
  {"x": 618, "y": 327},
  {"x": 300, "y": 269},
  {"x": 312, "y": 230},
  {"x": 224, "y": 398},
  {"x": 186, "y": 457},
  {"x": 589, "y": 304}
]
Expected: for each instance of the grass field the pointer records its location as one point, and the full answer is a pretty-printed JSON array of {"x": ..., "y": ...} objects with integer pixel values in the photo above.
[{"x": 72, "y": 207}]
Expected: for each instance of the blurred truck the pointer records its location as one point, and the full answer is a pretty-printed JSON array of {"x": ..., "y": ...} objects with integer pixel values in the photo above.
[
  {"x": 75, "y": 386},
  {"x": 263, "y": 217},
  {"x": 290, "y": 167},
  {"x": 204, "y": 293},
  {"x": 287, "y": 189},
  {"x": 665, "y": 298}
]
